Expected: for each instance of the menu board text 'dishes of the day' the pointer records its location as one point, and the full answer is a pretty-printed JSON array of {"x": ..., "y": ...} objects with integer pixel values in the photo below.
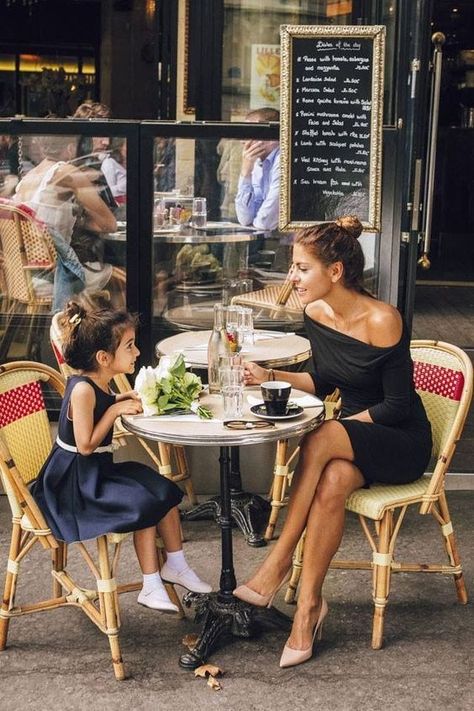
[{"x": 330, "y": 128}]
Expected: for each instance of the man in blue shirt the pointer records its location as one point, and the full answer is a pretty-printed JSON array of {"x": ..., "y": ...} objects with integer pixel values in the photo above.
[{"x": 257, "y": 199}]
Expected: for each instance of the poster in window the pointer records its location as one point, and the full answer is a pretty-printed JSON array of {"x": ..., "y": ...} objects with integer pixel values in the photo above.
[{"x": 265, "y": 76}]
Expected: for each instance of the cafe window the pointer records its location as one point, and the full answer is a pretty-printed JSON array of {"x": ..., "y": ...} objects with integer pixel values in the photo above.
[
  {"x": 57, "y": 242},
  {"x": 45, "y": 84},
  {"x": 251, "y": 47}
]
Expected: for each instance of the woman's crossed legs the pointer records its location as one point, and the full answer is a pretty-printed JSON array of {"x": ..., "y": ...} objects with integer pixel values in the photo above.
[{"x": 324, "y": 478}]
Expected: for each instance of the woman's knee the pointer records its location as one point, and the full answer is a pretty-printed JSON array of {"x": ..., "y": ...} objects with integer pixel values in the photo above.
[{"x": 336, "y": 483}]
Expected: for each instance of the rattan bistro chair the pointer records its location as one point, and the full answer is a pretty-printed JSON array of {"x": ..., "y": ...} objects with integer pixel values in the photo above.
[
  {"x": 279, "y": 300},
  {"x": 28, "y": 254},
  {"x": 443, "y": 377},
  {"x": 23, "y": 418},
  {"x": 164, "y": 459}
]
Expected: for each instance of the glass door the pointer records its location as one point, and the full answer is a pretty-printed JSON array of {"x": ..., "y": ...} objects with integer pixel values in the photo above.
[{"x": 445, "y": 278}]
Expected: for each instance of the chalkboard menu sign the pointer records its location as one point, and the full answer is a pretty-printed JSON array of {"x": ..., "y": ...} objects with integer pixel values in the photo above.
[{"x": 331, "y": 124}]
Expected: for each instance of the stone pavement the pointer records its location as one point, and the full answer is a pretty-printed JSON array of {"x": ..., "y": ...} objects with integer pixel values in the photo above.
[{"x": 59, "y": 661}]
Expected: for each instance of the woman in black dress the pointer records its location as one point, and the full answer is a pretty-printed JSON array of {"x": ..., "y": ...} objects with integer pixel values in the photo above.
[{"x": 361, "y": 346}]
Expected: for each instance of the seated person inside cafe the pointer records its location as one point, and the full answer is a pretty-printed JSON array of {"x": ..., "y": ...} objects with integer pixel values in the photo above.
[
  {"x": 96, "y": 144},
  {"x": 362, "y": 347},
  {"x": 66, "y": 199},
  {"x": 114, "y": 169},
  {"x": 93, "y": 151},
  {"x": 257, "y": 199}
]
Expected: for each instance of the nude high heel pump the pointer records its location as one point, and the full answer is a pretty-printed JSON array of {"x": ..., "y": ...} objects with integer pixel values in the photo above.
[
  {"x": 243, "y": 592},
  {"x": 291, "y": 657}
]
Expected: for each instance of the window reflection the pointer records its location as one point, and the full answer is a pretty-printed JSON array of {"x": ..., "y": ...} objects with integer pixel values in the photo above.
[
  {"x": 197, "y": 265},
  {"x": 251, "y": 47},
  {"x": 62, "y": 232}
]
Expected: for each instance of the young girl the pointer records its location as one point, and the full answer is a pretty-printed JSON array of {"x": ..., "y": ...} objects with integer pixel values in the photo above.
[{"x": 81, "y": 491}]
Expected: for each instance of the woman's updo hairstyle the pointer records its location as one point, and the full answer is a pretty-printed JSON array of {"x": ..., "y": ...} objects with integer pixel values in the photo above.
[
  {"x": 337, "y": 241},
  {"x": 91, "y": 326}
]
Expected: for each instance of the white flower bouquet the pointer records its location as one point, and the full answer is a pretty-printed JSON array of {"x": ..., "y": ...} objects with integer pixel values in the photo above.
[{"x": 170, "y": 388}]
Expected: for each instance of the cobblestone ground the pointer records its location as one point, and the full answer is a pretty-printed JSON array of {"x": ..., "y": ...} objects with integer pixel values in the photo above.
[{"x": 58, "y": 660}]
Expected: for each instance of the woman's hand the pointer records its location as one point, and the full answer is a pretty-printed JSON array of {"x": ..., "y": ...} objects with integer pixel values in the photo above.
[{"x": 254, "y": 374}]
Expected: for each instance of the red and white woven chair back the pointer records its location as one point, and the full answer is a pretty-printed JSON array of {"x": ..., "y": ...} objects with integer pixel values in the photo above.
[
  {"x": 440, "y": 379},
  {"x": 24, "y": 422},
  {"x": 26, "y": 246}
]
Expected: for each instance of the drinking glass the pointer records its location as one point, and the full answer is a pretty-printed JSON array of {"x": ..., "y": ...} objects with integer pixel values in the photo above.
[
  {"x": 159, "y": 214},
  {"x": 230, "y": 374},
  {"x": 199, "y": 216},
  {"x": 245, "y": 326},
  {"x": 235, "y": 287},
  {"x": 232, "y": 398},
  {"x": 175, "y": 215}
]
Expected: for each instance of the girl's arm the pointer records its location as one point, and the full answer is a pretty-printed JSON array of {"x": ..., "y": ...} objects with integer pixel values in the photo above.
[{"x": 87, "y": 435}]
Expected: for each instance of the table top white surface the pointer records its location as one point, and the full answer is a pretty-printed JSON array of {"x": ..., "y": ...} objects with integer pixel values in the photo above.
[
  {"x": 274, "y": 351},
  {"x": 208, "y": 433}
]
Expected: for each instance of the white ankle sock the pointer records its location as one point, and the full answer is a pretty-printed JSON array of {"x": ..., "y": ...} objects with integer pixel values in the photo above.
[
  {"x": 176, "y": 560},
  {"x": 153, "y": 581}
]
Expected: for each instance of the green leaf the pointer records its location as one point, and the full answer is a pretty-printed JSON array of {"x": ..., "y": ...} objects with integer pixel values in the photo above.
[
  {"x": 162, "y": 401},
  {"x": 178, "y": 368},
  {"x": 166, "y": 385}
]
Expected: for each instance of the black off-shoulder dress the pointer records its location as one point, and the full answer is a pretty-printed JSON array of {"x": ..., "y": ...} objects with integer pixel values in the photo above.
[
  {"x": 84, "y": 497},
  {"x": 396, "y": 447}
]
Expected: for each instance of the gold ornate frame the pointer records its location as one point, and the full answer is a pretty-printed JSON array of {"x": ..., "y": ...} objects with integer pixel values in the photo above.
[
  {"x": 186, "y": 109},
  {"x": 377, "y": 34}
]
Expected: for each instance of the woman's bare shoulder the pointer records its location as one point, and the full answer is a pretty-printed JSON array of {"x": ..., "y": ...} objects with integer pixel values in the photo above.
[
  {"x": 318, "y": 311},
  {"x": 384, "y": 324}
]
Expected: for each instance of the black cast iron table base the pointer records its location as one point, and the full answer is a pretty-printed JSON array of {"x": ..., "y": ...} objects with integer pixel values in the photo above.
[
  {"x": 222, "y": 614},
  {"x": 249, "y": 512},
  {"x": 226, "y": 618}
]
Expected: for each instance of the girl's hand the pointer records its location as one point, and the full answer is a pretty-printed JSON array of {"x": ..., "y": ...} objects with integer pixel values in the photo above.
[
  {"x": 127, "y": 407},
  {"x": 254, "y": 374},
  {"x": 129, "y": 395}
]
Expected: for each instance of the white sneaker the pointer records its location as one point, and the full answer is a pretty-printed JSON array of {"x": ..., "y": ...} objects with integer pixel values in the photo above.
[
  {"x": 157, "y": 599},
  {"x": 187, "y": 578}
]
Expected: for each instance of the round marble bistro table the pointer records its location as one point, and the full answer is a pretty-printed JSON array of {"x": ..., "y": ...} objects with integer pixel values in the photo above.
[
  {"x": 271, "y": 349},
  {"x": 222, "y": 613}
]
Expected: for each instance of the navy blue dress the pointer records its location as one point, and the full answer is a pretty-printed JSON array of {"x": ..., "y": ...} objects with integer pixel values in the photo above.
[
  {"x": 84, "y": 497},
  {"x": 396, "y": 447}
]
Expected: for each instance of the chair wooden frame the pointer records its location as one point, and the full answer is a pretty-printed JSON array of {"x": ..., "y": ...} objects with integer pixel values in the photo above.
[
  {"x": 385, "y": 506},
  {"x": 100, "y": 602},
  {"x": 164, "y": 459},
  {"x": 279, "y": 299}
]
